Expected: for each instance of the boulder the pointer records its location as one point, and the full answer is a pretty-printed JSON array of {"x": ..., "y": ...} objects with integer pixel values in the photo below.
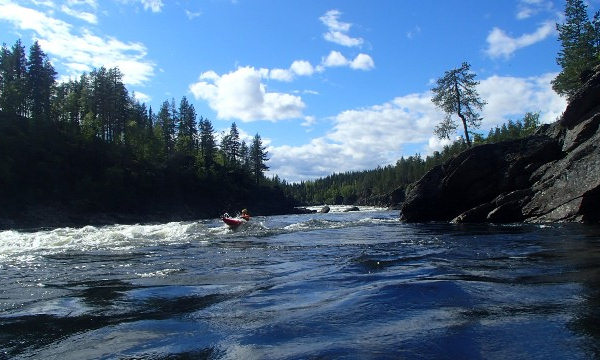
[
  {"x": 551, "y": 176},
  {"x": 325, "y": 209},
  {"x": 352, "y": 208},
  {"x": 475, "y": 177}
]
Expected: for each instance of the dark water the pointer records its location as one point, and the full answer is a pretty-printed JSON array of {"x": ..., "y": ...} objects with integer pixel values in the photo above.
[{"x": 323, "y": 286}]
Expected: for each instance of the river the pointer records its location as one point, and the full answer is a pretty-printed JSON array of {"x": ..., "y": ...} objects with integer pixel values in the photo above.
[{"x": 356, "y": 285}]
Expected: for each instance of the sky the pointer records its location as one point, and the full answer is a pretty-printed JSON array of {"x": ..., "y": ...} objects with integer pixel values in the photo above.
[{"x": 330, "y": 85}]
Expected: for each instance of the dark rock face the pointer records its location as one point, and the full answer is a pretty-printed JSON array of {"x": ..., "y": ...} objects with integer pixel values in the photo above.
[{"x": 551, "y": 176}]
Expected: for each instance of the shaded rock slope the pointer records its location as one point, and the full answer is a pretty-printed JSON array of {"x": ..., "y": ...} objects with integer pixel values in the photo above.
[{"x": 551, "y": 176}]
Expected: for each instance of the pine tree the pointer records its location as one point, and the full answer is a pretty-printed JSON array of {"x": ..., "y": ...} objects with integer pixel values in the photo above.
[
  {"x": 579, "y": 54},
  {"x": 258, "y": 157},
  {"x": 455, "y": 94},
  {"x": 187, "y": 131},
  {"x": 41, "y": 79},
  {"x": 166, "y": 124},
  {"x": 13, "y": 80},
  {"x": 230, "y": 145},
  {"x": 245, "y": 156},
  {"x": 208, "y": 145}
]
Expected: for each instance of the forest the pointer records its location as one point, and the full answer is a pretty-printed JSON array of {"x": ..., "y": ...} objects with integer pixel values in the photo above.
[{"x": 87, "y": 150}]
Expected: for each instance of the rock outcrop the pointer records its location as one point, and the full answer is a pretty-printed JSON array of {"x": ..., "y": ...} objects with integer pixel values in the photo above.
[{"x": 551, "y": 176}]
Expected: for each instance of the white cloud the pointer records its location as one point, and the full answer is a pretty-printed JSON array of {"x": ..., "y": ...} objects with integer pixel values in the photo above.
[
  {"x": 362, "y": 62},
  {"x": 240, "y": 94},
  {"x": 510, "y": 97},
  {"x": 309, "y": 121},
  {"x": 335, "y": 58},
  {"x": 529, "y": 8},
  {"x": 83, "y": 51},
  {"x": 305, "y": 68},
  {"x": 501, "y": 44},
  {"x": 85, "y": 16},
  {"x": 141, "y": 97},
  {"x": 192, "y": 15},
  {"x": 302, "y": 68},
  {"x": 281, "y": 75},
  {"x": 153, "y": 5},
  {"x": 90, "y": 3},
  {"x": 337, "y": 30},
  {"x": 379, "y": 135}
]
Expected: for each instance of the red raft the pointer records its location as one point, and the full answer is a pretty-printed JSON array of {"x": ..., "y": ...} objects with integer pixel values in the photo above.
[{"x": 233, "y": 223}]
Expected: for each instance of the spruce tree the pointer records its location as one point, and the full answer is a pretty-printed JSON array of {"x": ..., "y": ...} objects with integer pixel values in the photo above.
[
  {"x": 187, "y": 132},
  {"x": 13, "y": 80},
  {"x": 166, "y": 126},
  {"x": 230, "y": 145},
  {"x": 258, "y": 158},
  {"x": 41, "y": 79},
  {"x": 208, "y": 145}
]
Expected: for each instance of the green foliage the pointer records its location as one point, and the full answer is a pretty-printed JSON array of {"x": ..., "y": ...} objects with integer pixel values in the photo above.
[
  {"x": 580, "y": 52},
  {"x": 514, "y": 129},
  {"x": 455, "y": 93}
]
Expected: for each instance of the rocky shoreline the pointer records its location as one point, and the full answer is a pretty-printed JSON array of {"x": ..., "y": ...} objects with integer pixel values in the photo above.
[{"x": 551, "y": 176}]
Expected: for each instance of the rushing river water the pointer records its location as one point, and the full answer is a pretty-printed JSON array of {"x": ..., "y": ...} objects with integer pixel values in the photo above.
[{"x": 358, "y": 285}]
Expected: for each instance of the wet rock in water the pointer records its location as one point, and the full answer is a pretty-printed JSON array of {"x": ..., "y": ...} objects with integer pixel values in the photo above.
[
  {"x": 303, "y": 210},
  {"x": 353, "y": 208},
  {"x": 325, "y": 209},
  {"x": 551, "y": 176}
]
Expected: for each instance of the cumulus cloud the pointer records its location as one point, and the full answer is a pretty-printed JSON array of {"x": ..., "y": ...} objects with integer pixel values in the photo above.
[
  {"x": 360, "y": 62},
  {"x": 509, "y": 97},
  {"x": 379, "y": 135},
  {"x": 337, "y": 31},
  {"x": 500, "y": 44},
  {"x": 81, "y": 51},
  {"x": 281, "y": 75},
  {"x": 241, "y": 94},
  {"x": 302, "y": 68}
]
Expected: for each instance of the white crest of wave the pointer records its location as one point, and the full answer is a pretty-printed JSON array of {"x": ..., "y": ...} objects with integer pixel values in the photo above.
[{"x": 115, "y": 237}]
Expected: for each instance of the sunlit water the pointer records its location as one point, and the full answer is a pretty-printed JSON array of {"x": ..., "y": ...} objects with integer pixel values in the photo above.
[{"x": 358, "y": 285}]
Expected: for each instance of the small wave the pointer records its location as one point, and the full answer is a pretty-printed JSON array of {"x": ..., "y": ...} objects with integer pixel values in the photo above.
[{"x": 314, "y": 224}]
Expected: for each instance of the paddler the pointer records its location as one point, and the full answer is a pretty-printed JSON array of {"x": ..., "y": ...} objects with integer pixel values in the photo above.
[{"x": 245, "y": 214}]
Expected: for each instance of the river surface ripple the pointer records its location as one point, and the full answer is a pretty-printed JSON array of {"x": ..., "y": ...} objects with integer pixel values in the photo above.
[{"x": 358, "y": 285}]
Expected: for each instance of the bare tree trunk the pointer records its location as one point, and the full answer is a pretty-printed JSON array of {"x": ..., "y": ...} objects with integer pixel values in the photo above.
[{"x": 464, "y": 121}]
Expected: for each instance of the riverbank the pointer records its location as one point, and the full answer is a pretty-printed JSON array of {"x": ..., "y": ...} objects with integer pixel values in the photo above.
[{"x": 551, "y": 176}]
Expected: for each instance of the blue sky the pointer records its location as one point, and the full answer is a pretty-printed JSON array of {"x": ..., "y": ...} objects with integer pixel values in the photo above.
[{"x": 330, "y": 85}]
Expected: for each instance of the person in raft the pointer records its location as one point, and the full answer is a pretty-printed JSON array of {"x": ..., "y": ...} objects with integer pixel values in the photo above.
[{"x": 245, "y": 215}]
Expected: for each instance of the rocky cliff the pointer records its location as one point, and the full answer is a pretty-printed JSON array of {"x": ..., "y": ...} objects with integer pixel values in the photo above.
[{"x": 552, "y": 176}]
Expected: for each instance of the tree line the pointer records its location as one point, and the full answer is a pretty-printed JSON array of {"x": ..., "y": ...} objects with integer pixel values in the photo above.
[
  {"x": 376, "y": 187},
  {"x": 88, "y": 145}
]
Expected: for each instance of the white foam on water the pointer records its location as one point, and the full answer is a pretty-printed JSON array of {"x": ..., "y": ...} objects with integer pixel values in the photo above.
[
  {"x": 344, "y": 208},
  {"x": 116, "y": 237}
]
